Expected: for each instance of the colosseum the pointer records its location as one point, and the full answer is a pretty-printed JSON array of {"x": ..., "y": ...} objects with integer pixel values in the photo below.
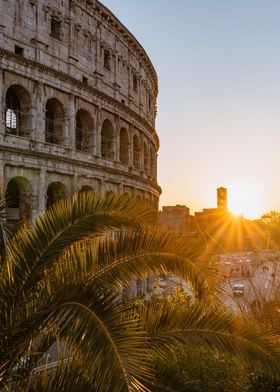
[{"x": 78, "y": 105}]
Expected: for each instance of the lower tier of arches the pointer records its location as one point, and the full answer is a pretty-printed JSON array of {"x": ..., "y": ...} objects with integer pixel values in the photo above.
[{"x": 29, "y": 191}]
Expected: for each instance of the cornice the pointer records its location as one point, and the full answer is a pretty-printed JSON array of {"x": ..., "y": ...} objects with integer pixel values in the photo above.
[{"x": 78, "y": 162}]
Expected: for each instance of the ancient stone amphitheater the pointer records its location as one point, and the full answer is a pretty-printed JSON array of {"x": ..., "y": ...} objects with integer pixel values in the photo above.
[{"x": 78, "y": 105}]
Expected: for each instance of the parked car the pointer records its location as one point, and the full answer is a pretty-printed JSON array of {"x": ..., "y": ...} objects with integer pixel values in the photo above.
[{"x": 238, "y": 290}]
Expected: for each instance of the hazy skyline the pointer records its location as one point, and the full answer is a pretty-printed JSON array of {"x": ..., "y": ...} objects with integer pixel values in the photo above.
[{"x": 218, "y": 65}]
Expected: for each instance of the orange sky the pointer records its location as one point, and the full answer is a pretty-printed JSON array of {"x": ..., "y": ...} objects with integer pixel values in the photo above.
[{"x": 218, "y": 64}]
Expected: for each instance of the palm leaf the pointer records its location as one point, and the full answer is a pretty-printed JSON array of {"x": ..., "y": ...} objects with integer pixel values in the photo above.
[
  {"x": 214, "y": 327},
  {"x": 70, "y": 220},
  {"x": 119, "y": 256}
]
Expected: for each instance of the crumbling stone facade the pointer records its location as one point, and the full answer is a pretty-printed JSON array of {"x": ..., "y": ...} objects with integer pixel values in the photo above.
[{"x": 78, "y": 105}]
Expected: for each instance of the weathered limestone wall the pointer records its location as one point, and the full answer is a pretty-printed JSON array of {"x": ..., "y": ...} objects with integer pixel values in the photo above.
[{"x": 72, "y": 78}]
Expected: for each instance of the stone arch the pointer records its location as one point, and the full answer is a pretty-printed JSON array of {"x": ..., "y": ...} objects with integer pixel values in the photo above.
[
  {"x": 55, "y": 192},
  {"x": 84, "y": 131},
  {"x": 124, "y": 144},
  {"x": 55, "y": 121},
  {"x": 86, "y": 188},
  {"x": 18, "y": 111},
  {"x": 17, "y": 196},
  {"x": 107, "y": 140},
  {"x": 146, "y": 159},
  {"x": 110, "y": 193},
  {"x": 136, "y": 152}
]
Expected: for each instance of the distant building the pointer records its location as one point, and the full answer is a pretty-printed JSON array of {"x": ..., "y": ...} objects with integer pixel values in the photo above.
[
  {"x": 210, "y": 219},
  {"x": 222, "y": 198},
  {"x": 177, "y": 218}
]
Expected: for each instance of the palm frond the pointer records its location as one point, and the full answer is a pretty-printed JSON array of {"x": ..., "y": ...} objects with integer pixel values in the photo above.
[
  {"x": 214, "y": 327},
  {"x": 4, "y": 230},
  {"x": 62, "y": 279},
  {"x": 114, "y": 259},
  {"x": 68, "y": 221}
]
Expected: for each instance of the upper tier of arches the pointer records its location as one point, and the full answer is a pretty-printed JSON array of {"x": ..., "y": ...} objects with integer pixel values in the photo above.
[
  {"x": 109, "y": 138},
  {"x": 86, "y": 42}
]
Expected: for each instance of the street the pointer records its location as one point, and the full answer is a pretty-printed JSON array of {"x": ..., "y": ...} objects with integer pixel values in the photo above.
[{"x": 264, "y": 285}]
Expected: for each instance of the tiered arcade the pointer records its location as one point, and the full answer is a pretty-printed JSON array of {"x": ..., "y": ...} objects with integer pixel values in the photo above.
[{"x": 78, "y": 105}]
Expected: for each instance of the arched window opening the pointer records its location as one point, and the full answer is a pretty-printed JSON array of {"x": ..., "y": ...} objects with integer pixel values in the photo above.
[
  {"x": 55, "y": 192},
  {"x": 18, "y": 200},
  {"x": 107, "y": 140},
  {"x": 107, "y": 60},
  {"x": 146, "y": 161},
  {"x": 84, "y": 131},
  {"x": 86, "y": 188},
  {"x": 136, "y": 152},
  {"x": 135, "y": 83},
  {"x": 11, "y": 120},
  {"x": 54, "y": 122},
  {"x": 124, "y": 146},
  {"x": 17, "y": 111}
]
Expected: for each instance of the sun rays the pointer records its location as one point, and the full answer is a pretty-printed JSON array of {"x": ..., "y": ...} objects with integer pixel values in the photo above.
[{"x": 233, "y": 233}]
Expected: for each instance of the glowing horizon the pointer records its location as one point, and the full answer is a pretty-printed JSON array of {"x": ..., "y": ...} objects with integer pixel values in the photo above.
[
  {"x": 242, "y": 201},
  {"x": 218, "y": 105}
]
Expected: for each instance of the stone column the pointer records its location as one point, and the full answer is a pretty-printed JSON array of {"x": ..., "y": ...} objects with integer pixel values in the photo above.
[
  {"x": 129, "y": 93},
  {"x": 39, "y": 113},
  {"x": 75, "y": 184},
  {"x": 42, "y": 188},
  {"x": 34, "y": 201},
  {"x": 2, "y": 101},
  {"x": 148, "y": 160},
  {"x": 2, "y": 172},
  {"x": 141, "y": 143},
  {"x": 99, "y": 52},
  {"x": 102, "y": 186},
  {"x": 117, "y": 139},
  {"x": 155, "y": 167},
  {"x": 97, "y": 144},
  {"x": 130, "y": 145},
  {"x": 2, "y": 28},
  {"x": 70, "y": 128}
]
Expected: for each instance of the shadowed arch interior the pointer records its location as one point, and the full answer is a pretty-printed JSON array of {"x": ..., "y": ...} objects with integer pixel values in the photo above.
[
  {"x": 86, "y": 188},
  {"x": 18, "y": 199},
  {"x": 136, "y": 152},
  {"x": 124, "y": 145},
  {"x": 84, "y": 131},
  {"x": 55, "y": 122},
  {"x": 146, "y": 159},
  {"x": 55, "y": 192},
  {"x": 107, "y": 140}
]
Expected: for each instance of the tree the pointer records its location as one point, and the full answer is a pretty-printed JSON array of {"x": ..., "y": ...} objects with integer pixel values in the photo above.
[
  {"x": 61, "y": 281},
  {"x": 200, "y": 369},
  {"x": 272, "y": 222}
]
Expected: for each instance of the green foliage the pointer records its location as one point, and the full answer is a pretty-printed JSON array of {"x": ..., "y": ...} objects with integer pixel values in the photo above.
[
  {"x": 61, "y": 281},
  {"x": 267, "y": 313},
  {"x": 272, "y": 224},
  {"x": 258, "y": 381},
  {"x": 199, "y": 369}
]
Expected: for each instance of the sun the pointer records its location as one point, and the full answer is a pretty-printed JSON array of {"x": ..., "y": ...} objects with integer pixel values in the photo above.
[{"x": 244, "y": 201}]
